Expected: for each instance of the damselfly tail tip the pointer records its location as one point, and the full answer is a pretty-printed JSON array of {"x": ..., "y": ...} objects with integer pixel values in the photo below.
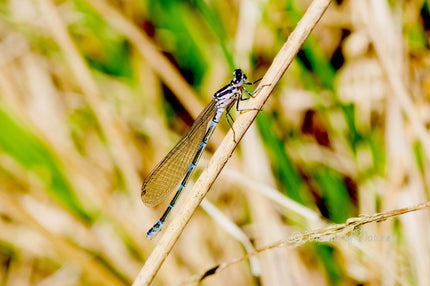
[{"x": 153, "y": 231}]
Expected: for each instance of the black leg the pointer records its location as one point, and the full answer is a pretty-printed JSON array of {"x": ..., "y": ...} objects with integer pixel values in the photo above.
[
  {"x": 251, "y": 95},
  {"x": 227, "y": 115},
  {"x": 243, "y": 99},
  {"x": 252, "y": 83}
]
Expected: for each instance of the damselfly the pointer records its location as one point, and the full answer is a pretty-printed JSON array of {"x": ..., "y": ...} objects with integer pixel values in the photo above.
[{"x": 182, "y": 159}]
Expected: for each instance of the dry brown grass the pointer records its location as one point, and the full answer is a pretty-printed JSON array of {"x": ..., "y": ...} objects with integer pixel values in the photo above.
[{"x": 81, "y": 126}]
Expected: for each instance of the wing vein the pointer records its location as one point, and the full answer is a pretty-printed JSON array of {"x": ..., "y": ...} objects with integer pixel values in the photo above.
[{"x": 169, "y": 172}]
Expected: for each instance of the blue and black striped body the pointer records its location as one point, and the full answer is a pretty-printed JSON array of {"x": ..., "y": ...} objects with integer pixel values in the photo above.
[
  {"x": 180, "y": 162},
  {"x": 151, "y": 233}
]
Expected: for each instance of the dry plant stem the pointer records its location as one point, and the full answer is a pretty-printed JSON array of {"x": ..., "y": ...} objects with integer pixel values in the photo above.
[
  {"x": 328, "y": 234},
  {"x": 169, "y": 74},
  {"x": 98, "y": 273},
  {"x": 112, "y": 125},
  {"x": 273, "y": 194},
  {"x": 156, "y": 60},
  {"x": 113, "y": 128},
  {"x": 224, "y": 152},
  {"x": 401, "y": 93},
  {"x": 234, "y": 231}
]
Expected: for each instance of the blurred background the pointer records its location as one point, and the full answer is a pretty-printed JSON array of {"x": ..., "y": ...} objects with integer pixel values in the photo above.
[{"x": 93, "y": 94}]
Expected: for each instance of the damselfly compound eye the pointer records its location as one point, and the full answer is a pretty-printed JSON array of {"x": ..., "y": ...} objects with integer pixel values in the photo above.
[{"x": 238, "y": 77}]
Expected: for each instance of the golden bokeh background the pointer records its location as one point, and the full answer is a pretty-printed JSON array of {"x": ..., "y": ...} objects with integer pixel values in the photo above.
[{"x": 94, "y": 93}]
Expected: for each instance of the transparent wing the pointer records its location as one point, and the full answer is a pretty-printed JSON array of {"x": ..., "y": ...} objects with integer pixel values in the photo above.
[{"x": 169, "y": 172}]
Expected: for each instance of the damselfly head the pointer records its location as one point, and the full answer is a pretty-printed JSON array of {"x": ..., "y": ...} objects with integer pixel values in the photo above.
[{"x": 239, "y": 78}]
